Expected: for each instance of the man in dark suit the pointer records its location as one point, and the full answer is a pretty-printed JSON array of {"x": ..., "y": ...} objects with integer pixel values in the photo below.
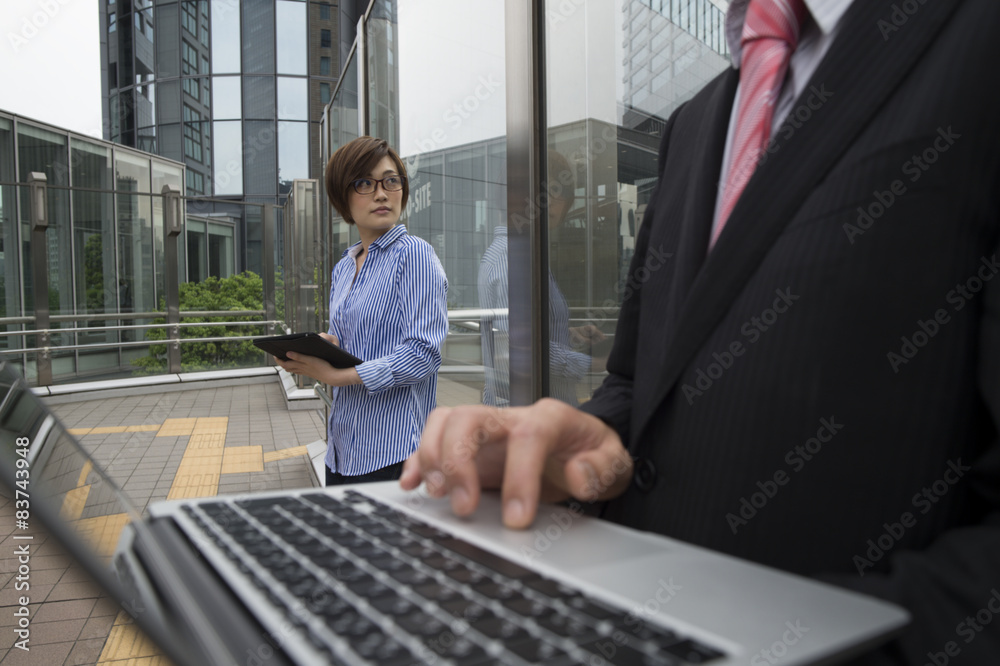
[{"x": 814, "y": 383}]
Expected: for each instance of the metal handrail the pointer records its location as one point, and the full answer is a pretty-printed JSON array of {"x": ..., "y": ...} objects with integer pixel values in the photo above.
[
  {"x": 133, "y": 343},
  {"x": 139, "y": 327}
]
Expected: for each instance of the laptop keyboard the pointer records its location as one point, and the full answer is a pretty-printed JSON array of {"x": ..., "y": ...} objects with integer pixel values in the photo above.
[{"x": 370, "y": 584}]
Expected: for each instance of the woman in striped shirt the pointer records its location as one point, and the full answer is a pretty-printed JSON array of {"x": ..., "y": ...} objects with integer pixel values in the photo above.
[{"x": 388, "y": 307}]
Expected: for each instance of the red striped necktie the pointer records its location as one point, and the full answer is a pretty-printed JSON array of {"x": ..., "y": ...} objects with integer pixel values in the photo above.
[{"x": 770, "y": 35}]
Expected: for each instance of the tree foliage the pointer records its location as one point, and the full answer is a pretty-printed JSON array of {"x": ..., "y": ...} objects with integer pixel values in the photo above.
[{"x": 244, "y": 291}]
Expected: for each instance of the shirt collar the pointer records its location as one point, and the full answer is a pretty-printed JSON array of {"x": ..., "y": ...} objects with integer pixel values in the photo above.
[
  {"x": 826, "y": 13},
  {"x": 383, "y": 241}
]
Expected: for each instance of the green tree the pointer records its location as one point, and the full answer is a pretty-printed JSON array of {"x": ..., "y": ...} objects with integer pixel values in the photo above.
[{"x": 244, "y": 291}]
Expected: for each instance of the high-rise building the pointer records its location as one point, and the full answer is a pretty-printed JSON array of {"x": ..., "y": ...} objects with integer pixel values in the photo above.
[{"x": 235, "y": 89}]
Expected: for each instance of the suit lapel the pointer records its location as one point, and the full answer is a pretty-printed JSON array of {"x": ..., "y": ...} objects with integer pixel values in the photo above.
[{"x": 860, "y": 71}]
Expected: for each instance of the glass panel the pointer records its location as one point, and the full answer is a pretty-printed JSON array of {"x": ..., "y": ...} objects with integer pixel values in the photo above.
[
  {"x": 10, "y": 274},
  {"x": 293, "y": 153},
  {"x": 454, "y": 145},
  {"x": 342, "y": 117},
  {"x": 196, "y": 250},
  {"x": 258, "y": 97},
  {"x": 163, "y": 174},
  {"x": 227, "y": 175},
  {"x": 221, "y": 257},
  {"x": 40, "y": 150},
  {"x": 602, "y": 158},
  {"x": 226, "y": 98},
  {"x": 261, "y": 157},
  {"x": 94, "y": 248},
  {"x": 258, "y": 36},
  {"x": 225, "y": 37},
  {"x": 168, "y": 44},
  {"x": 293, "y": 98},
  {"x": 135, "y": 237},
  {"x": 291, "y": 28}
]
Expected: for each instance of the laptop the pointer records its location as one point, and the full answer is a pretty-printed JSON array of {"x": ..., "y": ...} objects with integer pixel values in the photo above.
[{"x": 371, "y": 574}]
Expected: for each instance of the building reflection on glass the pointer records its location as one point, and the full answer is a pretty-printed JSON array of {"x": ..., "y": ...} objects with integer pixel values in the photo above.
[{"x": 571, "y": 347}]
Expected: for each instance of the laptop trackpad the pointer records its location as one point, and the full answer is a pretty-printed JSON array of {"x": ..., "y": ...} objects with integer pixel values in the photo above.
[{"x": 560, "y": 539}]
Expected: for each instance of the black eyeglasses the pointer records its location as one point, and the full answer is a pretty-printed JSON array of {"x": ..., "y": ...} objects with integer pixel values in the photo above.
[{"x": 389, "y": 184}]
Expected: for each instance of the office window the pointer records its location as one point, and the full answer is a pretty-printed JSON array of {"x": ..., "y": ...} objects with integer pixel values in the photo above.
[
  {"x": 324, "y": 39},
  {"x": 324, "y": 66},
  {"x": 112, "y": 22},
  {"x": 189, "y": 17},
  {"x": 192, "y": 133},
  {"x": 324, "y": 93},
  {"x": 189, "y": 69},
  {"x": 324, "y": 11}
]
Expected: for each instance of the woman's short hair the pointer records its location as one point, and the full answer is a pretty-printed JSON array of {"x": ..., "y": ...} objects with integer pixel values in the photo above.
[{"x": 356, "y": 160}]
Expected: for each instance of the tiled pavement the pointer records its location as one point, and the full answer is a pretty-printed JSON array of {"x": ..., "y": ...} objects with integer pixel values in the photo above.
[{"x": 237, "y": 439}]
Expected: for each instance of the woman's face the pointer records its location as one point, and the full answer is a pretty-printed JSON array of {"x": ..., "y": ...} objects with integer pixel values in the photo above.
[{"x": 377, "y": 212}]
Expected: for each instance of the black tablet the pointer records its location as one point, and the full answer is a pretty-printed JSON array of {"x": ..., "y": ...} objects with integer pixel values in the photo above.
[{"x": 310, "y": 344}]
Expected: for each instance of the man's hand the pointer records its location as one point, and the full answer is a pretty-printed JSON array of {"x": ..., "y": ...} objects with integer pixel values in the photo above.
[{"x": 546, "y": 452}]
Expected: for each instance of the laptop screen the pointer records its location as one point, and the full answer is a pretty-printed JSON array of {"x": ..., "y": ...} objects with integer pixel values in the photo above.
[
  {"x": 54, "y": 484},
  {"x": 49, "y": 474}
]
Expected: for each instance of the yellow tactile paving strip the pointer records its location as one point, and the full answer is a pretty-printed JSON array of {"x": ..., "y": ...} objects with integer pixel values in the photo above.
[
  {"x": 128, "y": 646},
  {"x": 237, "y": 459},
  {"x": 284, "y": 454}
]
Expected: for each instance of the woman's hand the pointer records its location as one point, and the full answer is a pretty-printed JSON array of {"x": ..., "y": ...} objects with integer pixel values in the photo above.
[{"x": 318, "y": 369}]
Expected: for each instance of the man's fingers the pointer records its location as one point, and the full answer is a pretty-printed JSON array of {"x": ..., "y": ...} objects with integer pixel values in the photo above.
[
  {"x": 599, "y": 474},
  {"x": 533, "y": 435}
]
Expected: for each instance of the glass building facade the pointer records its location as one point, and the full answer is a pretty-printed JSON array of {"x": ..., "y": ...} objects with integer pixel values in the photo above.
[
  {"x": 104, "y": 244},
  {"x": 234, "y": 89},
  {"x": 432, "y": 77}
]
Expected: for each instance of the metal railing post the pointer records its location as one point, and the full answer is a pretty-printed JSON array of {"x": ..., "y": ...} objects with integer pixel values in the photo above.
[
  {"x": 172, "y": 227},
  {"x": 38, "y": 194}
]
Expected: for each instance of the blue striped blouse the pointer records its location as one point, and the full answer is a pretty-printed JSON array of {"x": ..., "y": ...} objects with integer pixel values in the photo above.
[{"x": 394, "y": 316}]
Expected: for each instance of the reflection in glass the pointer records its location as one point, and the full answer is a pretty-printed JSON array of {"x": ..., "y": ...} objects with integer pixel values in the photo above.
[
  {"x": 43, "y": 151},
  {"x": 225, "y": 37},
  {"x": 293, "y": 153},
  {"x": 10, "y": 293},
  {"x": 293, "y": 98},
  {"x": 258, "y": 36},
  {"x": 661, "y": 56},
  {"x": 258, "y": 97},
  {"x": 260, "y": 157},
  {"x": 135, "y": 238},
  {"x": 226, "y": 98},
  {"x": 227, "y": 173},
  {"x": 291, "y": 28}
]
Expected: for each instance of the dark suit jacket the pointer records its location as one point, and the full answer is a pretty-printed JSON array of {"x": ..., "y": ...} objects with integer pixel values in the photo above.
[{"x": 821, "y": 392}]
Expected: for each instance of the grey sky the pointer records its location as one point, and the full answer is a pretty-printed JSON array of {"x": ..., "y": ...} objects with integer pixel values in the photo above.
[{"x": 50, "y": 65}]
